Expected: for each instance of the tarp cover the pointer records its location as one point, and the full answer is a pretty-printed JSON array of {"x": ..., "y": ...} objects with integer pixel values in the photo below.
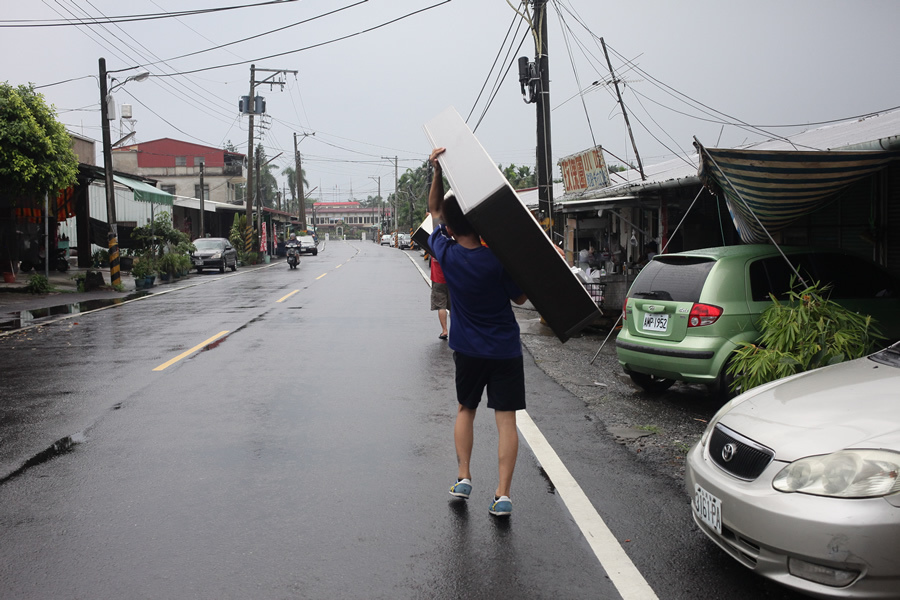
[
  {"x": 144, "y": 192},
  {"x": 781, "y": 186}
]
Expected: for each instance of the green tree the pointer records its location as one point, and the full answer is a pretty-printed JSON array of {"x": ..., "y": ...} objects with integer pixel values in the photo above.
[
  {"x": 519, "y": 177},
  {"x": 266, "y": 184},
  {"x": 36, "y": 153},
  {"x": 411, "y": 199},
  {"x": 291, "y": 175}
]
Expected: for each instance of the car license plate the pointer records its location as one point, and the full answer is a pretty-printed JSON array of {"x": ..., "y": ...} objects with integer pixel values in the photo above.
[
  {"x": 653, "y": 322},
  {"x": 708, "y": 508}
]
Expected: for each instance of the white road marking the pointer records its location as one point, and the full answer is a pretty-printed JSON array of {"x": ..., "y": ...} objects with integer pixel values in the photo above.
[
  {"x": 624, "y": 575},
  {"x": 612, "y": 557}
]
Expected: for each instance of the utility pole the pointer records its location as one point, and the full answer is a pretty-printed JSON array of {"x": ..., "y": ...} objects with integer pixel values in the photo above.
[
  {"x": 542, "y": 103},
  {"x": 251, "y": 109},
  {"x": 615, "y": 81},
  {"x": 378, "y": 179},
  {"x": 249, "y": 189},
  {"x": 114, "y": 277},
  {"x": 299, "y": 174},
  {"x": 202, "y": 208},
  {"x": 394, "y": 222}
]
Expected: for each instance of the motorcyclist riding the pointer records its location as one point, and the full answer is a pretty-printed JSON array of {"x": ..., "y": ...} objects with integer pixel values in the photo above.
[{"x": 293, "y": 250}]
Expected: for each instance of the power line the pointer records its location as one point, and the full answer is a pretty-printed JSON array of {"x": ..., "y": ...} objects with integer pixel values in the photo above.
[
  {"x": 496, "y": 58},
  {"x": 332, "y": 41},
  {"x": 18, "y": 23},
  {"x": 252, "y": 37}
]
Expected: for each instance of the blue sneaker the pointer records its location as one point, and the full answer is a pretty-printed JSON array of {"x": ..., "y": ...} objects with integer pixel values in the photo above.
[
  {"x": 501, "y": 507},
  {"x": 462, "y": 488}
]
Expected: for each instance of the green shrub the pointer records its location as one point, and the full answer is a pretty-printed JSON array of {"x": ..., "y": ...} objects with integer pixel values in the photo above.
[
  {"x": 38, "y": 284},
  {"x": 142, "y": 267},
  {"x": 806, "y": 332}
]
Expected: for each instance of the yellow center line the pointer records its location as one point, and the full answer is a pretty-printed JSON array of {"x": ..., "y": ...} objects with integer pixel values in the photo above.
[
  {"x": 321, "y": 276},
  {"x": 339, "y": 266},
  {"x": 169, "y": 363},
  {"x": 288, "y": 296}
]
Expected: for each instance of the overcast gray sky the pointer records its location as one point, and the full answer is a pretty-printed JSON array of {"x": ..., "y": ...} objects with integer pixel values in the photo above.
[{"x": 766, "y": 63}]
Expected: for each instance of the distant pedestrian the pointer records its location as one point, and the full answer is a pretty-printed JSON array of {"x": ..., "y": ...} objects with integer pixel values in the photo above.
[
  {"x": 440, "y": 296},
  {"x": 484, "y": 337}
]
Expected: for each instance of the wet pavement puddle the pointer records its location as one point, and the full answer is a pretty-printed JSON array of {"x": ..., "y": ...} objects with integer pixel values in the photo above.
[{"x": 12, "y": 321}]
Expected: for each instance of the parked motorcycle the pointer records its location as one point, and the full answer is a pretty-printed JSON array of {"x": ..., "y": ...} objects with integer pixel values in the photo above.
[
  {"x": 293, "y": 255},
  {"x": 34, "y": 259}
]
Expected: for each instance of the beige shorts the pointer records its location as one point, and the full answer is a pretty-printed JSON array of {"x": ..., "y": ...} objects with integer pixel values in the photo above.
[{"x": 440, "y": 296}]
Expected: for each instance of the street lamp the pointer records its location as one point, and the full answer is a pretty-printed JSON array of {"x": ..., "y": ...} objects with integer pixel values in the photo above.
[{"x": 105, "y": 98}]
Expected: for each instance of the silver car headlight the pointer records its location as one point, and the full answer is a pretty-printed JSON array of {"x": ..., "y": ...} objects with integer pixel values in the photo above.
[
  {"x": 844, "y": 474},
  {"x": 216, "y": 255}
]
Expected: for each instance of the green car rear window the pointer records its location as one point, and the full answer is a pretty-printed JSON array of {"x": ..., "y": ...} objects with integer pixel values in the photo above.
[{"x": 675, "y": 278}]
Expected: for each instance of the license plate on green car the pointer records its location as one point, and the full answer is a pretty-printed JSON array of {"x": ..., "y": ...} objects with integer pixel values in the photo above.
[{"x": 654, "y": 322}]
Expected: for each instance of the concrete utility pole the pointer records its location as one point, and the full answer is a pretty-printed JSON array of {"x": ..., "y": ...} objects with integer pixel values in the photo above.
[
  {"x": 378, "y": 179},
  {"x": 251, "y": 110},
  {"x": 202, "y": 214},
  {"x": 396, "y": 198},
  {"x": 542, "y": 103},
  {"x": 615, "y": 81},
  {"x": 299, "y": 174},
  {"x": 114, "y": 277},
  {"x": 248, "y": 191}
]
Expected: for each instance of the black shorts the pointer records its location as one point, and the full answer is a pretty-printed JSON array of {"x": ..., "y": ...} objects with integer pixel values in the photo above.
[{"x": 503, "y": 377}]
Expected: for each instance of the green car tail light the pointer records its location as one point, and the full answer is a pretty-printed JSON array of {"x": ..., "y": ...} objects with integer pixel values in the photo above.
[{"x": 703, "y": 314}]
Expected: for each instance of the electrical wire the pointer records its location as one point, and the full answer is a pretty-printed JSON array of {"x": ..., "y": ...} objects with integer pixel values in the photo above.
[
  {"x": 493, "y": 65},
  {"x": 164, "y": 120},
  {"x": 103, "y": 43},
  {"x": 310, "y": 47},
  {"x": 187, "y": 93},
  {"x": 587, "y": 116},
  {"x": 252, "y": 37},
  {"x": 500, "y": 79},
  {"x": 37, "y": 87},
  {"x": 18, "y": 23}
]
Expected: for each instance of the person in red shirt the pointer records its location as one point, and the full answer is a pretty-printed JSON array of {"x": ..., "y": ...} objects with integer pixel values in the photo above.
[{"x": 440, "y": 296}]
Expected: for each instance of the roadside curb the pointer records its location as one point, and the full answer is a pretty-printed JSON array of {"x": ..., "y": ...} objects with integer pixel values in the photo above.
[{"x": 147, "y": 294}]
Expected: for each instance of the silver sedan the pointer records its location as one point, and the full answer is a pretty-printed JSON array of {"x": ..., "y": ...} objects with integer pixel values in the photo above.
[{"x": 799, "y": 479}]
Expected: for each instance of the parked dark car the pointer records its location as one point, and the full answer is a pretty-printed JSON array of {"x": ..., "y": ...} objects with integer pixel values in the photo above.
[
  {"x": 686, "y": 313},
  {"x": 214, "y": 253}
]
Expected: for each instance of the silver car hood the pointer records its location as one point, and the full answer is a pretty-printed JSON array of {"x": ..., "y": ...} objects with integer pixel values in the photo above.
[{"x": 850, "y": 405}]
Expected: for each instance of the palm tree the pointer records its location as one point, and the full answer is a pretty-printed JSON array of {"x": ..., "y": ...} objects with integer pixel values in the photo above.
[{"x": 291, "y": 175}]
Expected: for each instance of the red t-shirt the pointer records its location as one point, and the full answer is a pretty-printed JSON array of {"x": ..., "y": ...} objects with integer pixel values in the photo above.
[{"x": 437, "y": 273}]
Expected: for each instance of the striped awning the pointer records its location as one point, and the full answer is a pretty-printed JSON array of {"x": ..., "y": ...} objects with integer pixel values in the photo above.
[{"x": 780, "y": 186}]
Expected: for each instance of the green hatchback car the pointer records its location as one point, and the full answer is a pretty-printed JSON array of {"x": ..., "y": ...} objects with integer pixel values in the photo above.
[{"x": 686, "y": 313}]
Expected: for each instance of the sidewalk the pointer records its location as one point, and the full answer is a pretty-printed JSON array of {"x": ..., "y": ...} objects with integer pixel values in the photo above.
[{"x": 14, "y": 299}]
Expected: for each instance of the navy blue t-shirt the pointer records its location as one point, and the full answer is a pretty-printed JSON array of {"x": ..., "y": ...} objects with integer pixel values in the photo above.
[{"x": 482, "y": 322}]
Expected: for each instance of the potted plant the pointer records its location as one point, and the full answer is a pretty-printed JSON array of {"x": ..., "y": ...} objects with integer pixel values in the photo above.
[
  {"x": 141, "y": 271},
  {"x": 100, "y": 258},
  {"x": 165, "y": 266}
]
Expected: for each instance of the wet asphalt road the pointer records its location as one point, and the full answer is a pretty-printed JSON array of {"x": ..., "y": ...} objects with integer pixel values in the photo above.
[{"x": 304, "y": 451}]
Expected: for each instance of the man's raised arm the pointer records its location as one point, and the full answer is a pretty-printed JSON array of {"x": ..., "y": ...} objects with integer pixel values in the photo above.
[{"x": 436, "y": 194}]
